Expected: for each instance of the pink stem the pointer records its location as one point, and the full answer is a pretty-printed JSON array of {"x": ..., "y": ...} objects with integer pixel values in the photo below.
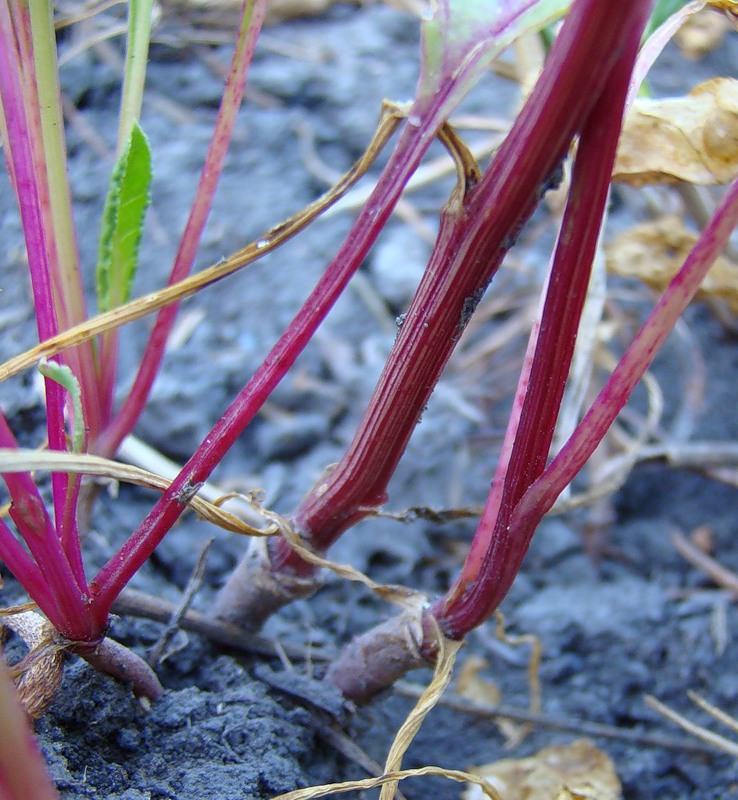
[
  {"x": 27, "y": 572},
  {"x": 498, "y": 548},
  {"x": 68, "y": 294},
  {"x": 632, "y": 366},
  {"x": 471, "y": 244},
  {"x": 65, "y": 561}
]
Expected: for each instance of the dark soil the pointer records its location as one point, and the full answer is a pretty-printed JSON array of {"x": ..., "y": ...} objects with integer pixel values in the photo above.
[{"x": 636, "y": 621}]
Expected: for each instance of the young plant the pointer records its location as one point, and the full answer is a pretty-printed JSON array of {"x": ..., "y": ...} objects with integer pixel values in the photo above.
[
  {"x": 80, "y": 383},
  {"x": 582, "y": 92},
  {"x": 479, "y": 224}
]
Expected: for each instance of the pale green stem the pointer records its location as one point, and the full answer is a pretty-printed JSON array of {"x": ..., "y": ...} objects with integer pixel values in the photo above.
[
  {"x": 140, "y": 14},
  {"x": 137, "y": 52}
]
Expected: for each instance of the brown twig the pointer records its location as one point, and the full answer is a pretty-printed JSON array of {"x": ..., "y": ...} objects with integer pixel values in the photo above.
[
  {"x": 723, "y": 577},
  {"x": 156, "y": 655},
  {"x": 714, "y": 740},
  {"x": 140, "y": 604}
]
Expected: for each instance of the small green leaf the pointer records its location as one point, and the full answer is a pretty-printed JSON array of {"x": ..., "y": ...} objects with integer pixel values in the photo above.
[
  {"x": 122, "y": 223},
  {"x": 61, "y": 374}
]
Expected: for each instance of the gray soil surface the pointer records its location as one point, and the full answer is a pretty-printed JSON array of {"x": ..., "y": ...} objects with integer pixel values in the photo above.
[{"x": 632, "y": 621}]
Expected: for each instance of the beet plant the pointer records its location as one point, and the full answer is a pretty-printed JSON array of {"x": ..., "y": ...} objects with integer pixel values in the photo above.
[
  {"x": 79, "y": 384},
  {"x": 577, "y": 106}
]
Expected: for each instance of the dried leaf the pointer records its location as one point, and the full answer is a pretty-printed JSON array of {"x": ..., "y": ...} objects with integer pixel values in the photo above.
[
  {"x": 692, "y": 138},
  {"x": 702, "y": 34},
  {"x": 39, "y": 674},
  {"x": 476, "y": 689},
  {"x": 579, "y": 771},
  {"x": 654, "y": 251}
]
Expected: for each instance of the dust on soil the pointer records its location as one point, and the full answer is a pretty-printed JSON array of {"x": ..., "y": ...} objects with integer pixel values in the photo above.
[{"x": 610, "y": 633}]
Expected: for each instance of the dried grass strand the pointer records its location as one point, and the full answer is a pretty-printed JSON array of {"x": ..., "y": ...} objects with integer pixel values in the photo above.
[
  {"x": 703, "y": 734},
  {"x": 457, "y": 775},
  {"x": 25, "y": 460}
]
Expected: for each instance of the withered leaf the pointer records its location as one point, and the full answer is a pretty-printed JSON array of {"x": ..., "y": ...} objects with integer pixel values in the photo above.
[
  {"x": 702, "y": 33},
  {"x": 692, "y": 138},
  {"x": 578, "y": 771},
  {"x": 654, "y": 251}
]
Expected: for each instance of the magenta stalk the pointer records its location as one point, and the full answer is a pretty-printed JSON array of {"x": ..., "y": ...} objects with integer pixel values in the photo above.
[
  {"x": 498, "y": 549},
  {"x": 474, "y": 237},
  {"x": 118, "y": 571}
]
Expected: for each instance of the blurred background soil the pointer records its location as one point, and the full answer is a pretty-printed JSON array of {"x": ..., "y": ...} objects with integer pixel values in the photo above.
[{"x": 618, "y": 612}]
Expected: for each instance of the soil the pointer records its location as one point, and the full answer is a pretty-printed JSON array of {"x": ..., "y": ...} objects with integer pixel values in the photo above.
[{"x": 632, "y": 620}]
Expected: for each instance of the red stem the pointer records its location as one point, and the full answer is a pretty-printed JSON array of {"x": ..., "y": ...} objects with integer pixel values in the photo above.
[
  {"x": 632, "y": 366},
  {"x": 118, "y": 571},
  {"x": 471, "y": 245},
  {"x": 59, "y": 596},
  {"x": 26, "y": 570},
  {"x": 498, "y": 548}
]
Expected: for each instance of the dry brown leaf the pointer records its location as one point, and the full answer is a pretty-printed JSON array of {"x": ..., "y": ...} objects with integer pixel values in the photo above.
[
  {"x": 692, "y": 138},
  {"x": 578, "y": 771},
  {"x": 654, "y": 251},
  {"x": 701, "y": 34},
  {"x": 39, "y": 674},
  {"x": 476, "y": 689}
]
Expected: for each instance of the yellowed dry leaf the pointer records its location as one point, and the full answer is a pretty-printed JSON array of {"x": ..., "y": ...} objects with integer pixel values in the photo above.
[
  {"x": 472, "y": 687},
  {"x": 692, "y": 138},
  {"x": 578, "y": 771},
  {"x": 20, "y": 459},
  {"x": 654, "y": 251},
  {"x": 701, "y": 34}
]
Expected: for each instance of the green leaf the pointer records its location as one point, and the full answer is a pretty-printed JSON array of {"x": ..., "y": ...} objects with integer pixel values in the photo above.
[
  {"x": 464, "y": 36},
  {"x": 122, "y": 223},
  {"x": 61, "y": 374}
]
